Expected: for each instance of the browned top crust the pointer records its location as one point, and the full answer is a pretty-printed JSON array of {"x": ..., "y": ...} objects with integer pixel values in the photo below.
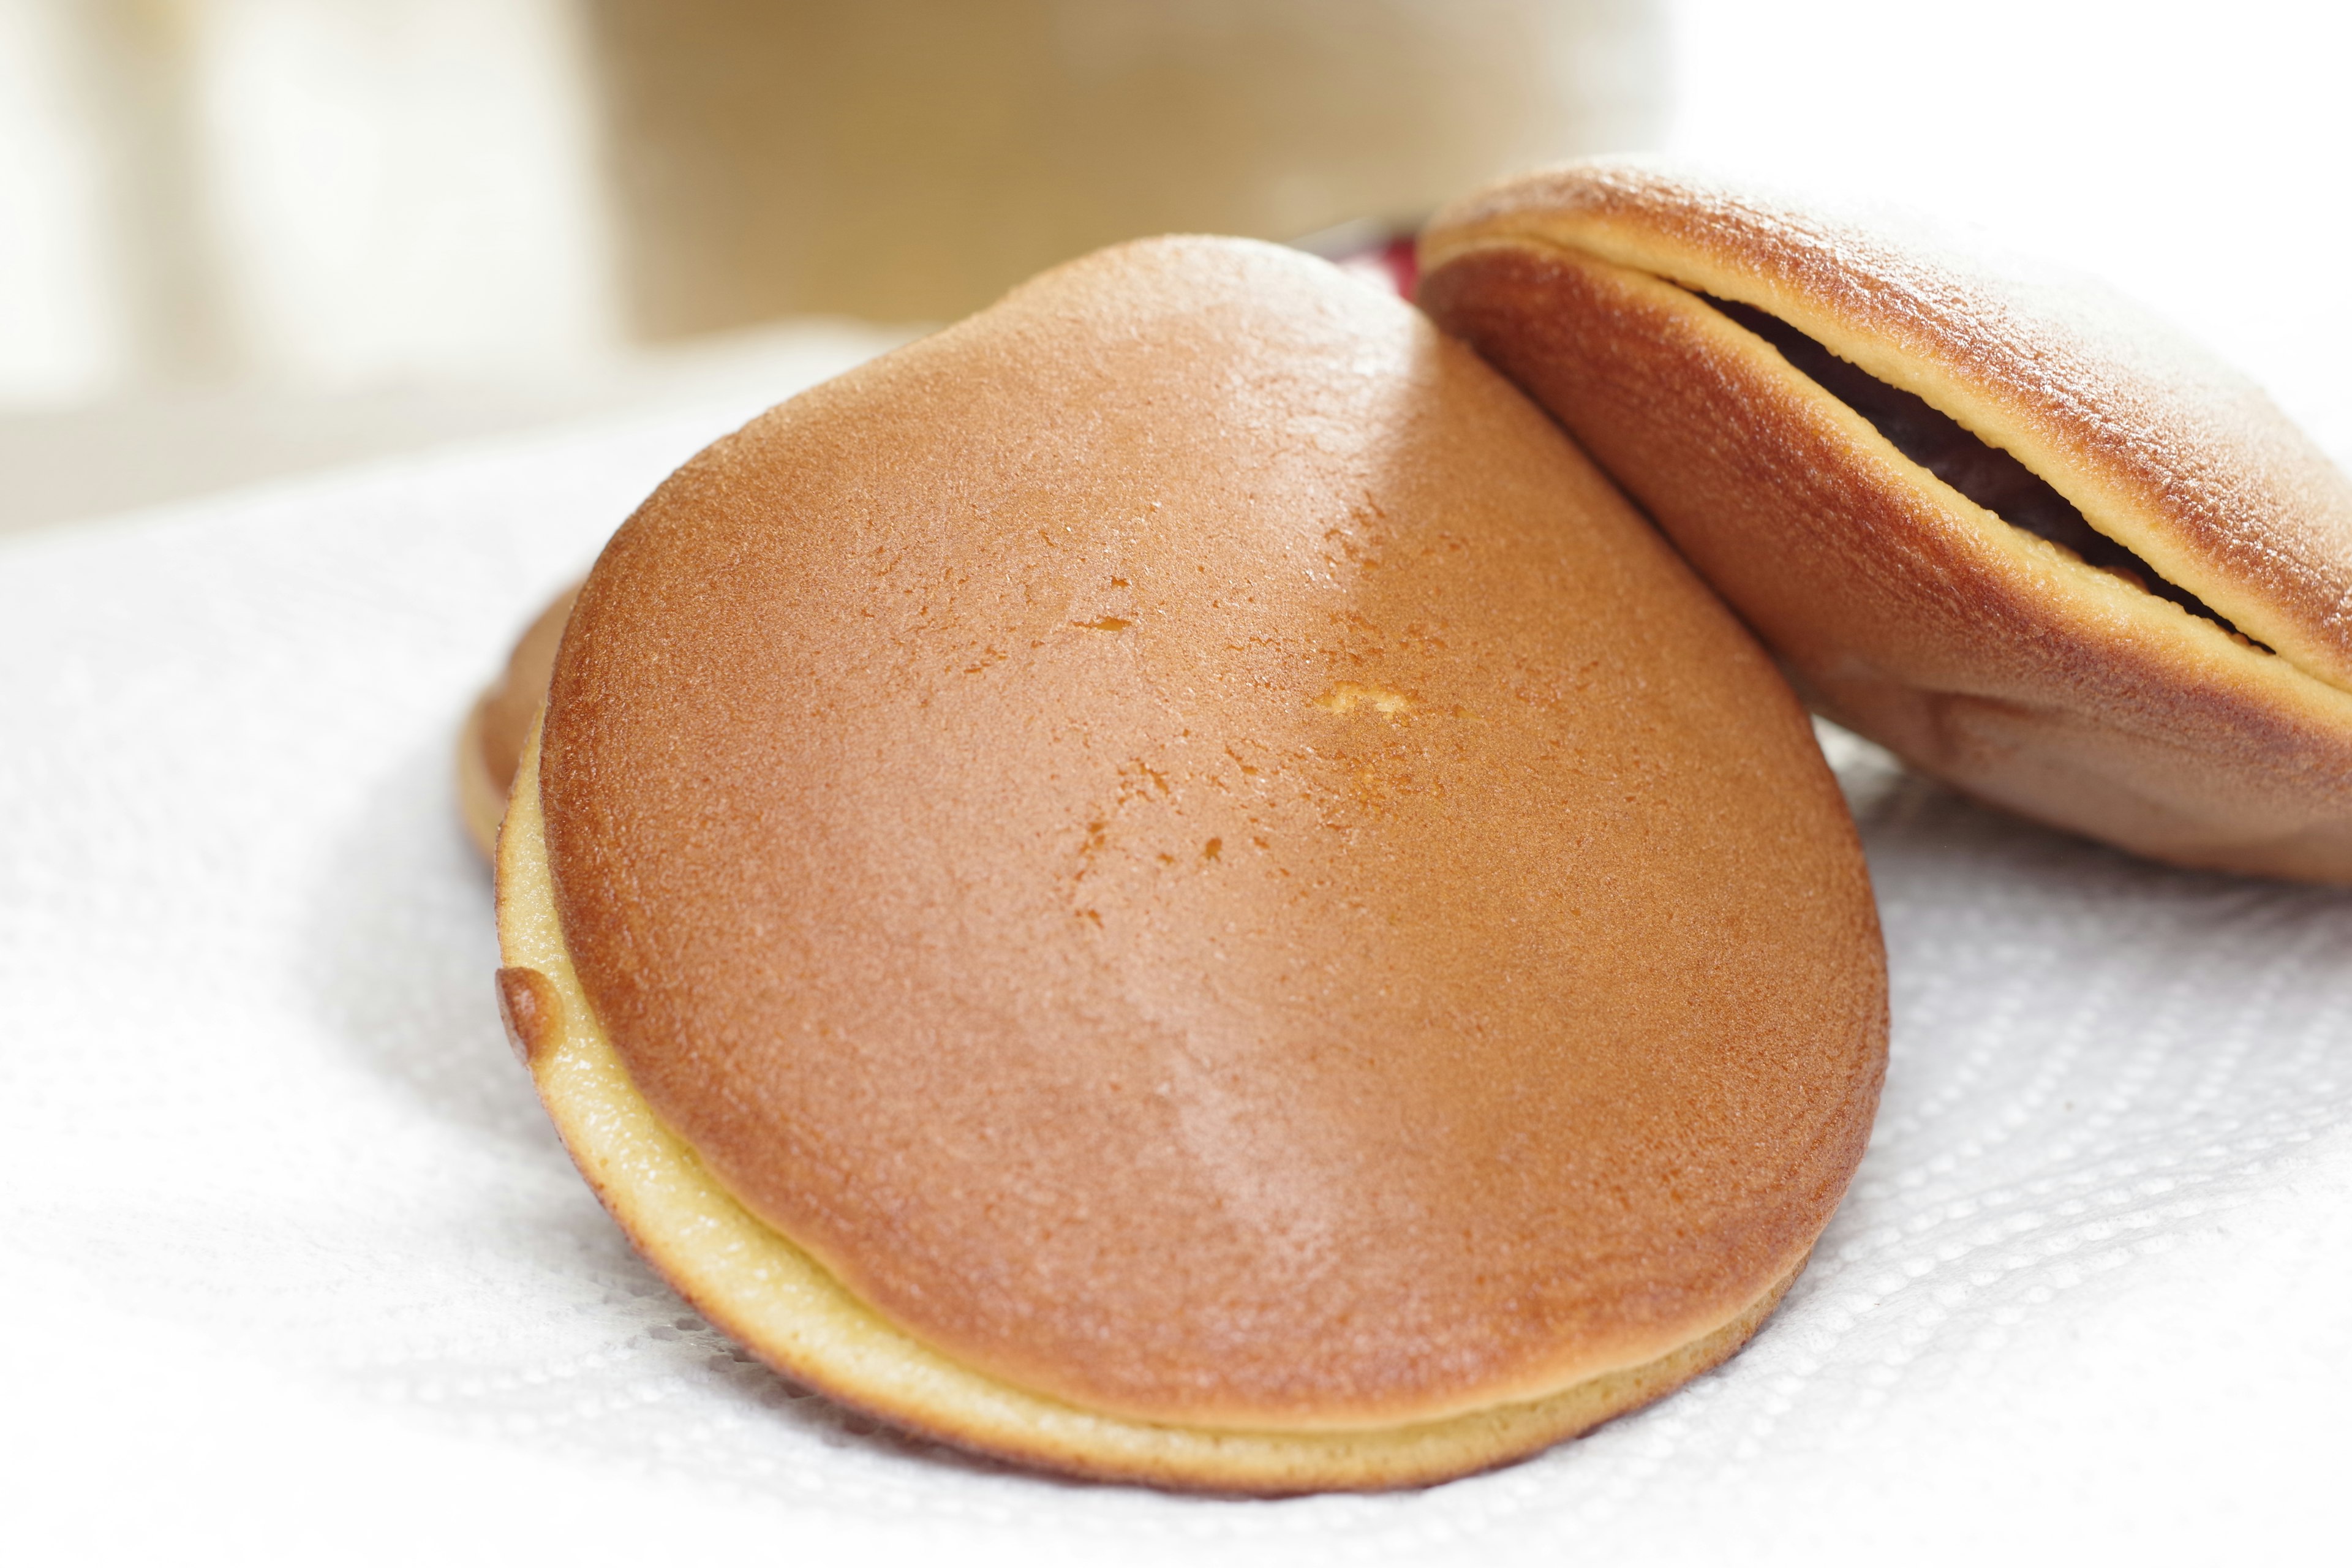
[
  {"x": 2165, "y": 450},
  {"x": 1185, "y": 843}
]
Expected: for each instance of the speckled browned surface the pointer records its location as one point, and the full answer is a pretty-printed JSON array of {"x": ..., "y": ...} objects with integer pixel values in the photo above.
[
  {"x": 1190, "y": 848},
  {"x": 745, "y": 1278},
  {"x": 1976, "y": 651}
]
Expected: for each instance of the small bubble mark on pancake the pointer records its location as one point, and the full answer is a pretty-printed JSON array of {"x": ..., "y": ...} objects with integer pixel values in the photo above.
[
  {"x": 1346, "y": 697},
  {"x": 532, "y": 1010}
]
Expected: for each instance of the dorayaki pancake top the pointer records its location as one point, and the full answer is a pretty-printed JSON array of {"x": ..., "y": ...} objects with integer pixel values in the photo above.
[
  {"x": 1180, "y": 839},
  {"x": 2176, "y": 456}
]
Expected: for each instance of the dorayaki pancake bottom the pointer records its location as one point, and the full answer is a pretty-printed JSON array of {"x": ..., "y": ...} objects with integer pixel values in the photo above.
[
  {"x": 490, "y": 743},
  {"x": 1183, "y": 848},
  {"x": 2006, "y": 525},
  {"x": 755, "y": 1285}
]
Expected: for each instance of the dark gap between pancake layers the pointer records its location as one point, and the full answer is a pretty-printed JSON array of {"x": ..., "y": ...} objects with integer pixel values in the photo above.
[{"x": 1984, "y": 473}]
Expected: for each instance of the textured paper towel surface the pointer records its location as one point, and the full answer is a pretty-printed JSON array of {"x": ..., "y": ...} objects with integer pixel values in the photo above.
[{"x": 292, "y": 1261}]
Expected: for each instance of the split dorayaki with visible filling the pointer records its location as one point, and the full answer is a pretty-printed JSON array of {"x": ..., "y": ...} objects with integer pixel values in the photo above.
[
  {"x": 2005, "y": 525},
  {"x": 1169, "y": 884}
]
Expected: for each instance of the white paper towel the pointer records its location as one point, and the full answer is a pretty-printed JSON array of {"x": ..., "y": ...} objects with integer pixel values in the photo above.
[{"x": 293, "y": 1263}]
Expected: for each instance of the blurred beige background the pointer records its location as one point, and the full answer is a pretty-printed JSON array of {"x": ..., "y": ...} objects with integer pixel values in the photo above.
[
  {"x": 912, "y": 158},
  {"x": 357, "y": 190},
  {"x": 240, "y": 238},
  {"x": 245, "y": 236}
]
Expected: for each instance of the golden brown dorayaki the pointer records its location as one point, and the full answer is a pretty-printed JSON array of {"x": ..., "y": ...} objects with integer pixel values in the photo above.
[
  {"x": 2009, "y": 527},
  {"x": 1169, "y": 884},
  {"x": 490, "y": 743}
]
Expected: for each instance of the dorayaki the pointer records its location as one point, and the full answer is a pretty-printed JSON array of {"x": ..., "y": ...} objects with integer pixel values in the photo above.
[
  {"x": 1999, "y": 520},
  {"x": 1169, "y": 884}
]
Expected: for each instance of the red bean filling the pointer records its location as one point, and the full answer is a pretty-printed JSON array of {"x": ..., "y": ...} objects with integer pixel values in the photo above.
[{"x": 1985, "y": 474}]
